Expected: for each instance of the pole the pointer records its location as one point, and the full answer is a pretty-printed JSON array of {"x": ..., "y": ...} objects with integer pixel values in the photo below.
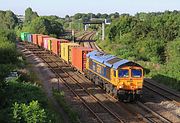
[
  {"x": 103, "y": 31},
  {"x": 73, "y": 35}
]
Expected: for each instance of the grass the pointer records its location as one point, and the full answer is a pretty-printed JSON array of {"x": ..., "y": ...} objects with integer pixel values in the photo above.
[
  {"x": 59, "y": 96},
  {"x": 57, "y": 117}
]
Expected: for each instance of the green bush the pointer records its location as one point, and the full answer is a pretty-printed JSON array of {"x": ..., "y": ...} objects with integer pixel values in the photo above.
[
  {"x": 31, "y": 113},
  {"x": 150, "y": 50},
  {"x": 8, "y": 53},
  {"x": 22, "y": 93}
]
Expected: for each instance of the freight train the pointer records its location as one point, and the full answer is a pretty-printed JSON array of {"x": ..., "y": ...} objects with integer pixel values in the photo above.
[{"x": 119, "y": 77}]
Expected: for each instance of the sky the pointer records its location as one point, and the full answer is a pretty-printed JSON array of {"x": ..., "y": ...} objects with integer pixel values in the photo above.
[{"x": 70, "y": 7}]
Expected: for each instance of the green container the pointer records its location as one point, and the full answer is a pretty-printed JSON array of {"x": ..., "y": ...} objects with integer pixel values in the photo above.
[{"x": 24, "y": 36}]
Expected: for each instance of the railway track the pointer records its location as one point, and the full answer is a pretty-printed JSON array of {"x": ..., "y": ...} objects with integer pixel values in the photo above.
[
  {"x": 84, "y": 38},
  {"x": 150, "y": 116},
  {"x": 155, "y": 117},
  {"x": 94, "y": 46},
  {"x": 165, "y": 93},
  {"x": 80, "y": 91},
  {"x": 87, "y": 40},
  {"x": 102, "y": 113},
  {"x": 87, "y": 36}
]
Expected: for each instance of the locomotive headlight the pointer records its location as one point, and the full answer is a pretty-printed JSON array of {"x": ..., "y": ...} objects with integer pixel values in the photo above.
[{"x": 121, "y": 86}]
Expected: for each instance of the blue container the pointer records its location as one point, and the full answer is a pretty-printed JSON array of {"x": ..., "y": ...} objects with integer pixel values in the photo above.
[{"x": 29, "y": 37}]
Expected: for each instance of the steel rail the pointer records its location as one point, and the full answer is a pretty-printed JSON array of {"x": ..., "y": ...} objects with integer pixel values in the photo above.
[{"x": 83, "y": 101}]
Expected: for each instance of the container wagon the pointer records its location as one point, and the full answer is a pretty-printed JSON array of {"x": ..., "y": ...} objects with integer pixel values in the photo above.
[
  {"x": 50, "y": 44},
  {"x": 24, "y": 36},
  {"x": 56, "y": 45},
  {"x": 46, "y": 43},
  {"x": 40, "y": 40},
  {"x": 66, "y": 51},
  {"x": 35, "y": 38},
  {"x": 79, "y": 57},
  {"x": 29, "y": 37}
]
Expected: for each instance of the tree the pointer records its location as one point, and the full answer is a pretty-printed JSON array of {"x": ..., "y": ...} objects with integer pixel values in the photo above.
[
  {"x": 116, "y": 15},
  {"x": 91, "y": 15},
  {"x": 77, "y": 16},
  {"x": 67, "y": 18},
  {"x": 45, "y": 25},
  {"x": 171, "y": 74},
  {"x": 30, "y": 15},
  {"x": 98, "y": 15},
  {"x": 8, "y": 20},
  {"x": 104, "y": 16}
]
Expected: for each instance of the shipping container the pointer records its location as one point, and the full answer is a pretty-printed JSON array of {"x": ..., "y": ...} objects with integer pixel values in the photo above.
[
  {"x": 35, "y": 38},
  {"x": 46, "y": 43},
  {"x": 66, "y": 52},
  {"x": 45, "y": 40},
  {"x": 50, "y": 44},
  {"x": 29, "y": 38},
  {"x": 24, "y": 36},
  {"x": 56, "y": 45},
  {"x": 79, "y": 57},
  {"x": 40, "y": 40}
]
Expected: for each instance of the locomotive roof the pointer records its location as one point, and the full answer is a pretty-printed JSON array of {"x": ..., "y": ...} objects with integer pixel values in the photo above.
[
  {"x": 99, "y": 56},
  {"x": 109, "y": 60}
]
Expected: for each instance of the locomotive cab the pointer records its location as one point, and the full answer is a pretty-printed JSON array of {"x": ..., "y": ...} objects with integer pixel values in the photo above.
[
  {"x": 130, "y": 82},
  {"x": 131, "y": 78},
  {"x": 120, "y": 77}
]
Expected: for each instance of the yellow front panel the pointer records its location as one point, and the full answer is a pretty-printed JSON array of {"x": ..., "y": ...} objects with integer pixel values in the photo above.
[{"x": 130, "y": 83}]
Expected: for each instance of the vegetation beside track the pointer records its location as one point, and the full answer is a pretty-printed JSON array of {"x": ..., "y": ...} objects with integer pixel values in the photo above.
[
  {"x": 153, "y": 39},
  {"x": 21, "y": 100},
  {"x": 59, "y": 96}
]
